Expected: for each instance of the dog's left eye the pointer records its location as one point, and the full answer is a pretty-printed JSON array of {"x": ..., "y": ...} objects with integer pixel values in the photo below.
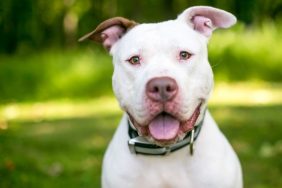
[
  {"x": 134, "y": 60},
  {"x": 183, "y": 55}
]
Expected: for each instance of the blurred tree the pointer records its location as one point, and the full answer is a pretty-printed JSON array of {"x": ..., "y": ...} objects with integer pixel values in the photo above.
[{"x": 37, "y": 24}]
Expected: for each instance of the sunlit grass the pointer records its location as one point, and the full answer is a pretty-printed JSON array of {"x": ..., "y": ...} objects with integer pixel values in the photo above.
[
  {"x": 247, "y": 94},
  {"x": 59, "y": 109},
  {"x": 243, "y": 94}
]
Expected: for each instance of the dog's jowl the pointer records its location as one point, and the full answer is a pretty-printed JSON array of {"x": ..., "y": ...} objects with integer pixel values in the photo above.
[{"x": 162, "y": 80}]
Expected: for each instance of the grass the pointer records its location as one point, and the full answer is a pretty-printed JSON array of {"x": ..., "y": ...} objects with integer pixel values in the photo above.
[
  {"x": 61, "y": 143},
  {"x": 255, "y": 133},
  {"x": 65, "y": 152}
]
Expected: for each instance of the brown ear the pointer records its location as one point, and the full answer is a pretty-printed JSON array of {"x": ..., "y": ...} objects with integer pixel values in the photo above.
[{"x": 109, "y": 31}]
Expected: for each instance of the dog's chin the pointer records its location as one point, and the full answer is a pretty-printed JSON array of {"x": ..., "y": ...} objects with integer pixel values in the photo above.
[{"x": 165, "y": 129}]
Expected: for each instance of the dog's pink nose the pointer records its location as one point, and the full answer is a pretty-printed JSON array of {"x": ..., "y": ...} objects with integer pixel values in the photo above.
[{"x": 161, "y": 89}]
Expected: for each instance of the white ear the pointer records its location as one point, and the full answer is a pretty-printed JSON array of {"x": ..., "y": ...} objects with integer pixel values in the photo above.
[{"x": 205, "y": 19}]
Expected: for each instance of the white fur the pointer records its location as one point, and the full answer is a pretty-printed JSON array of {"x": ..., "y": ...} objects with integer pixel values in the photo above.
[{"x": 214, "y": 164}]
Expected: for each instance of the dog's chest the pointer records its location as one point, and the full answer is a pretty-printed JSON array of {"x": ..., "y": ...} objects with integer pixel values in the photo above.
[
  {"x": 173, "y": 172},
  {"x": 167, "y": 175}
]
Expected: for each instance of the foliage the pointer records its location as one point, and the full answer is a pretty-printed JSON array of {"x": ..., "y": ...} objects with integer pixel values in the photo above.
[
  {"x": 55, "y": 73},
  {"x": 27, "y": 24},
  {"x": 250, "y": 53}
]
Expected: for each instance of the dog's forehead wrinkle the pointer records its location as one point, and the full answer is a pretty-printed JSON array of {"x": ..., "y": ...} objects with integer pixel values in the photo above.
[{"x": 161, "y": 37}]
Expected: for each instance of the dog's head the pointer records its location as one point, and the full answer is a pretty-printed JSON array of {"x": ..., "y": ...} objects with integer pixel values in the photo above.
[{"x": 162, "y": 77}]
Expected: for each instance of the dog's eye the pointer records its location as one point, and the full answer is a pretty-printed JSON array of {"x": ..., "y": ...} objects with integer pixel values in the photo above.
[
  {"x": 183, "y": 55},
  {"x": 134, "y": 60}
]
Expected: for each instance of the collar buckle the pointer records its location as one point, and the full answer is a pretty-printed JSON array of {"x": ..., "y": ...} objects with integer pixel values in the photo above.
[
  {"x": 139, "y": 145},
  {"x": 192, "y": 142}
]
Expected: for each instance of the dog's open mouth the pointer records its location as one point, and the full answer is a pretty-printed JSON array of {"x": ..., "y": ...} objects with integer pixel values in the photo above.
[{"x": 166, "y": 129}]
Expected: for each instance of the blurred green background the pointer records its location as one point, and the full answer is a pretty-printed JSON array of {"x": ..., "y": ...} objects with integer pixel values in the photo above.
[{"x": 57, "y": 109}]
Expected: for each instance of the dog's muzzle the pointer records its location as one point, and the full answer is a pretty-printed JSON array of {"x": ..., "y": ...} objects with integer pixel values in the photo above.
[{"x": 140, "y": 145}]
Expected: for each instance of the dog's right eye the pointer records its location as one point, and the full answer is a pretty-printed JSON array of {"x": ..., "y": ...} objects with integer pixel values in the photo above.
[
  {"x": 184, "y": 55},
  {"x": 134, "y": 60}
]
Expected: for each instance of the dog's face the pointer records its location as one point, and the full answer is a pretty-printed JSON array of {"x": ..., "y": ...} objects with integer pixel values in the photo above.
[
  {"x": 167, "y": 51},
  {"x": 162, "y": 77}
]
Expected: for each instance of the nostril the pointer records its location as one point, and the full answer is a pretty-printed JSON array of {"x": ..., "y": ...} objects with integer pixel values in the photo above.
[
  {"x": 155, "y": 89},
  {"x": 161, "y": 89},
  {"x": 169, "y": 89}
]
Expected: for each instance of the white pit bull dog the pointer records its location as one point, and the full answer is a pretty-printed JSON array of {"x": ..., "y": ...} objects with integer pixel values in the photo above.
[{"x": 162, "y": 80}]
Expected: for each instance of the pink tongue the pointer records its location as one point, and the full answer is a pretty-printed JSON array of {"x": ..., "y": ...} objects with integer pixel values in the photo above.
[{"x": 164, "y": 127}]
